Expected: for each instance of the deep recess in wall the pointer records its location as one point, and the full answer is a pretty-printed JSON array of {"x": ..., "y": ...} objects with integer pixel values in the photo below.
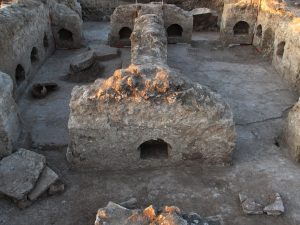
[
  {"x": 241, "y": 28},
  {"x": 280, "y": 49},
  {"x": 65, "y": 35},
  {"x": 154, "y": 149},
  {"x": 34, "y": 55},
  {"x": 125, "y": 33},
  {"x": 174, "y": 30},
  {"x": 19, "y": 74},
  {"x": 259, "y": 31},
  {"x": 45, "y": 41}
]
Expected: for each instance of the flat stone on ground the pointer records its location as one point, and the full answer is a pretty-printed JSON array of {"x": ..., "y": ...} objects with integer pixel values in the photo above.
[
  {"x": 250, "y": 206},
  {"x": 276, "y": 208},
  {"x": 19, "y": 173},
  {"x": 47, "y": 178},
  {"x": 104, "y": 52},
  {"x": 82, "y": 61}
]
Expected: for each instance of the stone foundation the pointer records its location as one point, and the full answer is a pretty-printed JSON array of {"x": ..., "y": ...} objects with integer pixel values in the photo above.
[
  {"x": 147, "y": 115},
  {"x": 28, "y": 28}
]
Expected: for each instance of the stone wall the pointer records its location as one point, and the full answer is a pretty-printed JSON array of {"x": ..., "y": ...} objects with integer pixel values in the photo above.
[
  {"x": 27, "y": 30},
  {"x": 277, "y": 36},
  {"x": 177, "y": 22},
  {"x": 9, "y": 117},
  {"x": 66, "y": 23},
  {"x": 24, "y": 29},
  {"x": 101, "y": 10},
  {"x": 238, "y": 22},
  {"x": 147, "y": 115},
  {"x": 292, "y": 132},
  {"x": 274, "y": 28}
]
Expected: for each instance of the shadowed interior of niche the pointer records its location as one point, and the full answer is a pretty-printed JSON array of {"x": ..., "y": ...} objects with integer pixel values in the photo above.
[{"x": 154, "y": 149}]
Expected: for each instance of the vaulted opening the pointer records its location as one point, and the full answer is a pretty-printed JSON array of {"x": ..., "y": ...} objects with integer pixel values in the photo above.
[
  {"x": 34, "y": 55},
  {"x": 259, "y": 31},
  {"x": 19, "y": 74},
  {"x": 45, "y": 41},
  {"x": 174, "y": 30},
  {"x": 205, "y": 22},
  {"x": 280, "y": 49},
  {"x": 125, "y": 33},
  {"x": 154, "y": 149},
  {"x": 268, "y": 42},
  {"x": 241, "y": 28},
  {"x": 65, "y": 35}
]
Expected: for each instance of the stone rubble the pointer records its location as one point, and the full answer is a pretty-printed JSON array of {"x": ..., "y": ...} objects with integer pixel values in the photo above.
[
  {"x": 24, "y": 177},
  {"x": 19, "y": 173},
  {"x": 276, "y": 208},
  {"x": 56, "y": 188},
  {"x": 88, "y": 64},
  {"x": 47, "y": 178},
  {"x": 114, "y": 214},
  {"x": 129, "y": 204},
  {"x": 251, "y": 207}
]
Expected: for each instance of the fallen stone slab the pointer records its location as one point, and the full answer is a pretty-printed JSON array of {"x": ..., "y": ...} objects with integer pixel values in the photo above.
[
  {"x": 19, "y": 173},
  {"x": 47, "y": 178},
  {"x": 276, "y": 208},
  {"x": 82, "y": 62},
  {"x": 250, "y": 206},
  {"x": 130, "y": 203},
  {"x": 104, "y": 52}
]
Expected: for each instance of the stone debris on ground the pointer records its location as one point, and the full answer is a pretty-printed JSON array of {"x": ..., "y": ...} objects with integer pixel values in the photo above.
[
  {"x": 24, "y": 177},
  {"x": 276, "y": 208},
  {"x": 87, "y": 67},
  {"x": 47, "y": 178},
  {"x": 19, "y": 173},
  {"x": 56, "y": 188},
  {"x": 251, "y": 207},
  {"x": 82, "y": 61},
  {"x": 95, "y": 53},
  {"x": 130, "y": 204},
  {"x": 104, "y": 52},
  {"x": 115, "y": 214}
]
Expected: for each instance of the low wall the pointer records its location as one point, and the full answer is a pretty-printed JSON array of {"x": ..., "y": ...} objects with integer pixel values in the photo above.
[
  {"x": 26, "y": 41},
  {"x": 30, "y": 31}
]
